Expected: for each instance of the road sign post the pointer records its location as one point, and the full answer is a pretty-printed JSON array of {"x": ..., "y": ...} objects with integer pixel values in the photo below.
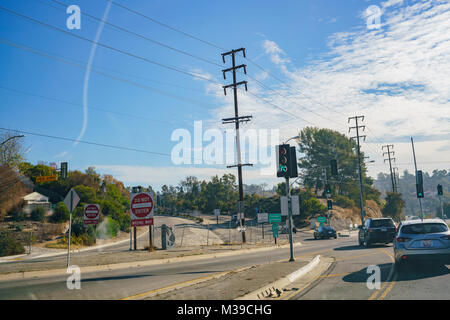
[{"x": 71, "y": 200}]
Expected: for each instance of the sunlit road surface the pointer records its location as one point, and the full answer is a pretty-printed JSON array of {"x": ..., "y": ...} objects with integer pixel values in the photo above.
[
  {"x": 348, "y": 277},
  {"x": 345, "y": 279}
]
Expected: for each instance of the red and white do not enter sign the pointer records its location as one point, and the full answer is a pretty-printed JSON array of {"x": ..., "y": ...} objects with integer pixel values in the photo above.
[
  {"x": 91, "y": 213},
  {"x": 142, "y": 205}
]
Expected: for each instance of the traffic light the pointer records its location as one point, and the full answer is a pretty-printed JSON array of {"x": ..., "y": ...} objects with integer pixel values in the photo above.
[
  {"x": 63, "y": 170},
  {"x": 419, "y": 189},
  {"x": 439, "y": 188},
  {"x": 419, "y": 177},
  {"x": 330, "y": 204},
  {"x": 328, "y": 188},
  {"x": 419, "y": 184},
  {"x": 282, "y": 160},
  {"x": 293, "y": 172},
  {"x": 334, "y": 170},
  {"x": 286, "y": 161}
]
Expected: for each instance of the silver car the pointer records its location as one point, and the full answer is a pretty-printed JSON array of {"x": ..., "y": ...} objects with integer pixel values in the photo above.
[{"x": 422, "y": 240}]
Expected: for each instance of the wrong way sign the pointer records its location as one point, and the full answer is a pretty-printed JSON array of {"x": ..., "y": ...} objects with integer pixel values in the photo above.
[
  {"x": 141, "y": 209},
  {"x": 91, "y": 213}
]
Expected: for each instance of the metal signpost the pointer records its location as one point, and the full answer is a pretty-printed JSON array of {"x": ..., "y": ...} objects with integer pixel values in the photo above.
[
  {"x": 71, "y": 200},
  {"x": 263, "y": 218},
  {"x": 217, "y": 214}
]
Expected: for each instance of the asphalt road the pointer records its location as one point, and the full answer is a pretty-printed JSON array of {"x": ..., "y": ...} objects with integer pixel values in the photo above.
[{"x": 345, "y": 279}]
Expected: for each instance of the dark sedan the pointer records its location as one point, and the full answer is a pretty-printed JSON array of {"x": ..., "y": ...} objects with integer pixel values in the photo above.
[{"x": 325, "y": 232}]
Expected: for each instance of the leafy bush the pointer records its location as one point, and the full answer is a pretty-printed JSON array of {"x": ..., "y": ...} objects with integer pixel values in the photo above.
[
  {"x": 60, "y": 214},
  {"x": 344, "y": 202},
  {"x": 9, "y": 245},
  {"x": 38, "y": 214}
]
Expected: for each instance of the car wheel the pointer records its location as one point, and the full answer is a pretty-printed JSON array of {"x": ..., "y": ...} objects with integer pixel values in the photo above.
[{"x": 366, "y": 243}]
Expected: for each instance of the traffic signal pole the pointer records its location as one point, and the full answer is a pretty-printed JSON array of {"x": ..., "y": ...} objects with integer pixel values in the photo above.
[
  {"x": 291, "y": 245},
  {"x": 236, "y": 120}
]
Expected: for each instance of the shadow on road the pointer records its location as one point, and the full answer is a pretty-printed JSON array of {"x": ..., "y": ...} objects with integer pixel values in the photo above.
[
  {"x": 412, "y": 272},
  {"x": 357, "y": 247}
]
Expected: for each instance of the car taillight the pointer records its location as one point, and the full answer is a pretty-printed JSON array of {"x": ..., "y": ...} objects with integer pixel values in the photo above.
[
  {"x": 402, "y": 239},
  {"x": 447, "y": 237},
  {"x": 370, "y": 230}
]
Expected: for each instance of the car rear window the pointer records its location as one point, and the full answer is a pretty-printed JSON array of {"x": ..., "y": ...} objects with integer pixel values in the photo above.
[
  {"x": 423, "y": 228},
  {"x": 381, "y": 223}
]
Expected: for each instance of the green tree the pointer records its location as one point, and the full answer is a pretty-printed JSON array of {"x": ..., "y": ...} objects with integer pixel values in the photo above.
[
  {"x": 60, "y": 214},
  {"x": 318, "y": 147},
  {"x": 393, "y": 206}
]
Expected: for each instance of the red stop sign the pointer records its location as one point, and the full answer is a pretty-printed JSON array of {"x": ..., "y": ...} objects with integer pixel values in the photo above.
[
  {"x": 91, "y": 211},
  {"x": 142, "y": 205}
]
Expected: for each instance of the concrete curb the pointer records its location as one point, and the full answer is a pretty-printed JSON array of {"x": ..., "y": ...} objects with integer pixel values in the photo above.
[
  {"x": 134, "y": 264},
  {"x": 281, "y": 283}
]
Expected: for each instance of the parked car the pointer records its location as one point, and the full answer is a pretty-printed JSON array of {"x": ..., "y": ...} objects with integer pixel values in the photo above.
[
  {"x": 376, "y": 230},
  {"x": 417, "y": 240},
  {"x": 325, "y": 232}
]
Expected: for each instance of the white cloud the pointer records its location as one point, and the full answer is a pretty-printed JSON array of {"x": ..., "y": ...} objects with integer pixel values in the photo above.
[{"x": 396, "y": 76}]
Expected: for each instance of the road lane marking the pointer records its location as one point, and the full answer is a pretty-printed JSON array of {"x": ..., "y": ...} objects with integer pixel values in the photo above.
[
  {"x": 393, "y": 280},
  {"x": 336, "y": 275},
  {"x": 391, "y": 274}
]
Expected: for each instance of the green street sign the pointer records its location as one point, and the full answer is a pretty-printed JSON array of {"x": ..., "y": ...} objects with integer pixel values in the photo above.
[
  {"x": 321, "y": 219},
  {"x": 275, "y": 230},
  {"x": 274, "y": 217}
]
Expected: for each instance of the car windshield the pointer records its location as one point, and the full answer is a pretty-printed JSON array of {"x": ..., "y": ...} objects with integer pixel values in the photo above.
[
  {"x": 381, "y": 223},
  {"x": 423, "y": 228}
]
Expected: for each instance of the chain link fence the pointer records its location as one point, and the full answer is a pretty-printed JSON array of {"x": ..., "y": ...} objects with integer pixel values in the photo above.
[{"x": 183, "y": 234}]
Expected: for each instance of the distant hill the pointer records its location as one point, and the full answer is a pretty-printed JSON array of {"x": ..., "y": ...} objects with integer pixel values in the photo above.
[{"x": 407, "y": 187}]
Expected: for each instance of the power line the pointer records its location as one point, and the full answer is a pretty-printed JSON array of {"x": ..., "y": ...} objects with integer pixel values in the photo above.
[
  {"x": 124, "y": 30},
  {"x": 80, "y": 105},
  {"x": 87, "y": 142},
  {"x": 176, "y": 69},
  {"x": 81, "y": 65},
  {"x": 167, "y": 26}
]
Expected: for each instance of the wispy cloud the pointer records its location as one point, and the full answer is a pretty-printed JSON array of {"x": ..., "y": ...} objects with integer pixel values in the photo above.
[{"x": 397, "y": 76}]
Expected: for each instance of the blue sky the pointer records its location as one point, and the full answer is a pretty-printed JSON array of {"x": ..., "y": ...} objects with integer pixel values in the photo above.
[{"x": 323, "y": 50}]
